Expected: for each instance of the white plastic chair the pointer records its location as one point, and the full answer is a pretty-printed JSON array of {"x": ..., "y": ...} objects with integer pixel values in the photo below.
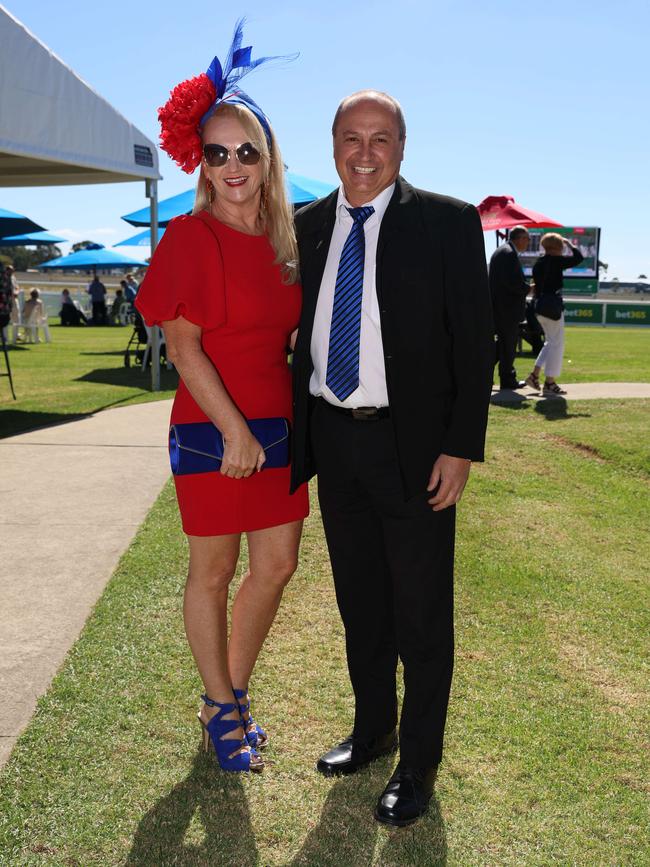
[
  {"x": 36, "y": 319},
  {"x": 125, "y": 313},
  {"x": 161, "y": 343}
]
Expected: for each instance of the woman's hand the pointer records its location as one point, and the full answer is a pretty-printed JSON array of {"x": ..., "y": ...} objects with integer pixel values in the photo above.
[{"x": 242, "y": 455}]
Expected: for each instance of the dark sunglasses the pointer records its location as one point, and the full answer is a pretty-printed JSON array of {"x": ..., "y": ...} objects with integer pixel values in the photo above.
[{"x": 216, "y": 155}]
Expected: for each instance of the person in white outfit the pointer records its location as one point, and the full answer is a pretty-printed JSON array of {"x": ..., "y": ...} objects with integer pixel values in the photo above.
[
  {"x": 548, "y": 274},
  {"x": 34, "y": 317}
]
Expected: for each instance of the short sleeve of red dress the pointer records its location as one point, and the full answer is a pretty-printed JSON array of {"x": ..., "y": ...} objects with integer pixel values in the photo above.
[{"x": 185, "y": 277}]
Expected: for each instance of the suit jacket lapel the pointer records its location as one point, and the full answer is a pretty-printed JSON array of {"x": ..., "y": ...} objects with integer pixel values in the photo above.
[
  {"x": 314, "y": 247},
  {"x": 392, "y": 227}
]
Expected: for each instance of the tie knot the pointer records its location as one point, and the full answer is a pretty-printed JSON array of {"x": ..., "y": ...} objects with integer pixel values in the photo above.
[{"x": 360, "y": 215}]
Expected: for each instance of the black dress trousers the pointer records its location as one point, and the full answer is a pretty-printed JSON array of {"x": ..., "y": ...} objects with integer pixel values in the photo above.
[
  {"x": 507, "y": 332},
  {"x": 392, "y": 563}
]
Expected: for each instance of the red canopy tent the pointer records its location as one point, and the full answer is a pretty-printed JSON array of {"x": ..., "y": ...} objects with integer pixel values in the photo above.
[{"x": 502, "y": 212}]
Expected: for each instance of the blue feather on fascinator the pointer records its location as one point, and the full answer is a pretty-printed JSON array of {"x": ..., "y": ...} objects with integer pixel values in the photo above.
[{"x": 238, "y": 64}]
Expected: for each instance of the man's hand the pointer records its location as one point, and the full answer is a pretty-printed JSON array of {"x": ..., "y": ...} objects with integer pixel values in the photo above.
[{"x": 451, "y": 475}]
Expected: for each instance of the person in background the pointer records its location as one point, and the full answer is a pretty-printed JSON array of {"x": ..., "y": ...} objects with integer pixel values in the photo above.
[
  {"x": 115, "y": 307},
  {"x": 508, "y": 290},
  {"x": 6, "y": 302},
  {"x": 128, "y": 293},
  {"x": 71, "y": 313},
  {"x": 16, "y": 319},
  {"x": 97, "y": 292},
  {"x": 548, "y": 275},
  {"x": 35, "y": 317},
  {"x": 130, "y": 286}
]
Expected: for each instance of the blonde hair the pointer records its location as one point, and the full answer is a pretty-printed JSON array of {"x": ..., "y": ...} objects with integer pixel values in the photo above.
[
  {"x": 552, "y": 241},
  {"x": 276, "y": 211}
]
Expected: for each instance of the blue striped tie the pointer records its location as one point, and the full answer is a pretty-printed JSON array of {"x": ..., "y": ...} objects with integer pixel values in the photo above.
[{"x": 343, "y": 355}]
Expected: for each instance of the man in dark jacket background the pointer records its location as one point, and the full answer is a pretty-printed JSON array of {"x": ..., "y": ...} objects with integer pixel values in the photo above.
[{"x": 508, "y": 290}]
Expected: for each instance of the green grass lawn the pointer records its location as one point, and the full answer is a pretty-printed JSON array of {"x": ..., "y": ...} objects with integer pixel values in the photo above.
[
  {"x": 82, "y": 371},
  {"x": 548, "y": 723},
  {"x": 609, "y": 354}
]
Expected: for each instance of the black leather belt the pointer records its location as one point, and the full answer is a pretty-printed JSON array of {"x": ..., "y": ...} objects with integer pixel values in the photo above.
[{"x": 361, "y": 413}]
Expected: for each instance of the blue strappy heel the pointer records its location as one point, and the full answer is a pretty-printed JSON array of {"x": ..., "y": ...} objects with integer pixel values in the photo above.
[
  {"x": 232, "y": 754},
  {"x": 255, "y": 734}
]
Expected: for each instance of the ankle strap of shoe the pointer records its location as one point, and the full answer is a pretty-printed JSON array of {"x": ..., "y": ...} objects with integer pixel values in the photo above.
[{"x": 212, "y": 703}]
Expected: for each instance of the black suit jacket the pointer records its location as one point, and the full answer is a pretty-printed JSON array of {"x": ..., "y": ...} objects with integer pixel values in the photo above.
[
  {"x": 508, "y": 288},
  {"x": 436, "y": 326}
]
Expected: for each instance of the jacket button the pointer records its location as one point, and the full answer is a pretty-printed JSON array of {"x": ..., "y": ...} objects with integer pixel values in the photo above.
[{"x": 389, "y": 357}]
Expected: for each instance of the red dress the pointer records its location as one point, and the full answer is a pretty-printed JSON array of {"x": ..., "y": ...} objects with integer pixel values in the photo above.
[{"x": 230, "y": 287}]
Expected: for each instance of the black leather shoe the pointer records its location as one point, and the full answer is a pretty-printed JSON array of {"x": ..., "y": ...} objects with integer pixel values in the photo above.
[
  {"x": 406, "y": 797},
  {"x": 516, "y": 383},
  {"x": 355, "y": 753}
]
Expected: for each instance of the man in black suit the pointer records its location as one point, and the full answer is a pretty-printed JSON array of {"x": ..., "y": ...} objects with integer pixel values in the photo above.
[
  {"x": 508, "y": 290},
  {"x": 392, "y": 377}
]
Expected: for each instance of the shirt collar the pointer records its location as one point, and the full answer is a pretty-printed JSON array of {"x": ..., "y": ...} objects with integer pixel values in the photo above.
[{"x": 379, "y": 203}]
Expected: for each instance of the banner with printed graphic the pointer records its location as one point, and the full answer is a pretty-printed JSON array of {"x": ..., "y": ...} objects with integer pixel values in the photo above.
[{"x": 606, "y": 313}]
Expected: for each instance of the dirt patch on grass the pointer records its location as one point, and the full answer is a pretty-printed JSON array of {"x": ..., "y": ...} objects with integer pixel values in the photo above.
[
  {"x": 630, "y": 782},
  {"x": 579, "y": 448},
  {"x": 619, "y": 695}
]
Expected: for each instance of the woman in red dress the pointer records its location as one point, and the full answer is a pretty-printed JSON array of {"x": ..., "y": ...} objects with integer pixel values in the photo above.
[{"x": 222, "y": 284}]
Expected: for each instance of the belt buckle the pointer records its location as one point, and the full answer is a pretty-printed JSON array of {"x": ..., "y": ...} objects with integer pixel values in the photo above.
[{"x": 365, "y": 413}]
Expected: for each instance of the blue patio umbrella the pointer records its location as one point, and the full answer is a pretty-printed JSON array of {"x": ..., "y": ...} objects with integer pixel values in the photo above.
[
  {"x": 167, "y": 210},
  {"x": 301, "y": 191},
  {"x": 31, "y": 239},
  {"x": 142, "y": 239},
  {"x": 12, "y": 223},
  {"x": 93, "y": 259},
  {"x": 304, "y": 190}
]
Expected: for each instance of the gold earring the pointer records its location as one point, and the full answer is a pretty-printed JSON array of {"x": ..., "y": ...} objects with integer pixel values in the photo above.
[
  {"x": 210, "y": 188},
  {"x": 265, "y": 197}
]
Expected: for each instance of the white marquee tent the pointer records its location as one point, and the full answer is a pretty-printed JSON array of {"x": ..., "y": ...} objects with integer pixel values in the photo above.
[{"x": 55, "y": 129}]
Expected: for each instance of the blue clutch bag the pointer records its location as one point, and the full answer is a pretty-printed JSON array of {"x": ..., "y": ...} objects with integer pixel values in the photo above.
[{"x": 198, "y": 447}]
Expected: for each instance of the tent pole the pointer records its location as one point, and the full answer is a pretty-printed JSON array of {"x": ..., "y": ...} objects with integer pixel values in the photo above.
[{"x": 151, "y": 187}]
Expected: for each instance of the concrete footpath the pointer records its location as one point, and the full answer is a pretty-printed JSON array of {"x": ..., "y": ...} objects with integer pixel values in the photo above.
[
  {"x": 579, "y": 391},
  {"x": 72, "y": 497}
]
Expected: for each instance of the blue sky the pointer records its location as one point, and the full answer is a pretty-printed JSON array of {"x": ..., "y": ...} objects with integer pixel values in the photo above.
[{"x": 546, "y": 102}]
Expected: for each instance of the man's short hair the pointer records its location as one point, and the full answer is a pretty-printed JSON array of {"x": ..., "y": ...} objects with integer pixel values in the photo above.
[
  {"x": 380, "y": 96},
  {"x": 518, "y": 232}
]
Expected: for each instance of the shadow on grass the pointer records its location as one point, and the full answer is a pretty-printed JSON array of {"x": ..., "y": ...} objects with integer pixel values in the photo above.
[
  {"x": 17, "y": 421},
  {"x": 552, "y": 408},
  {"x": 203, "y": 820},
  {"x": 130, "y": 377},
  {"x": 116, "y": 352},
  {"x": 557, "y": 409},
  {"x": 425, "y": 842},
  {"x": 347, "y": 831},
  {"x": 510, "y": 399}
]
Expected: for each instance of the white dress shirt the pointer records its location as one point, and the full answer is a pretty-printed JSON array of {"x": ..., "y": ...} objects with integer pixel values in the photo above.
[{"x": 372, "y": 374}]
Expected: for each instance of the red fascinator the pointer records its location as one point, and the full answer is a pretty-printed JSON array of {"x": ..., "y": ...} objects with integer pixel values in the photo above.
[
  {"x": 192, "y": 102},
  {"x": 180, "y": 120}
]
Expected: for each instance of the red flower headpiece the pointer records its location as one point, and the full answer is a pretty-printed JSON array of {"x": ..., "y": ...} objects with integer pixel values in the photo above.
[
  {"x": 190, "y": 102},
  {"x": 180, "y": 119}
]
